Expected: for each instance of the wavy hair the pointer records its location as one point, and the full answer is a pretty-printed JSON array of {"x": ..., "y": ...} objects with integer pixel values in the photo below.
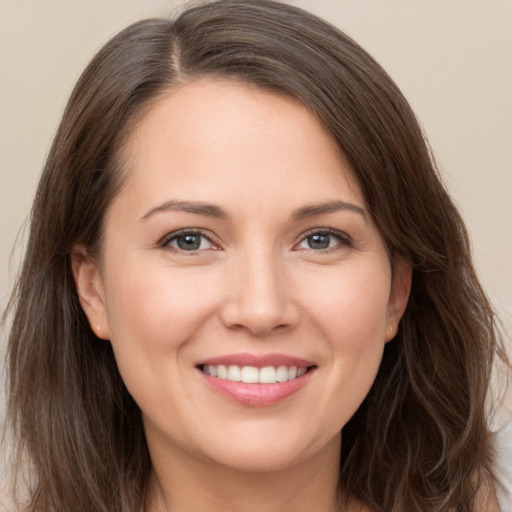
[{"x": 420, "y": 440}]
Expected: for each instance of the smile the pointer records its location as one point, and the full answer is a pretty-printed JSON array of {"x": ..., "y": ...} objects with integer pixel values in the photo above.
[
  {"x": 254, "y": 375},
  {"x": 256, "y": 380}
]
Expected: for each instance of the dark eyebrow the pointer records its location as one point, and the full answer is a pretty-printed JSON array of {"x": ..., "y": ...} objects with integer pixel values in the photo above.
[
  {"x": 211, "y": 210},
  {"x": 197, "y": 207},
  {"x": 329, "y": 207}
]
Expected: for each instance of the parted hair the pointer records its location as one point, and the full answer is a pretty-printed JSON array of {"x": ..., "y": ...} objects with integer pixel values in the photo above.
[{"x": 420, "y": 440}]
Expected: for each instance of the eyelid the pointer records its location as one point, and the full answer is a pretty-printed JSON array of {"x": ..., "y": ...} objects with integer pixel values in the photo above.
[
  {"x": 166, "y": 239},
  {"x": 345, "y": 239}
]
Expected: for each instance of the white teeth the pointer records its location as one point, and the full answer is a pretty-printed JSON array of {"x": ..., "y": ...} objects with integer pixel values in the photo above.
[
  {"x": 234, "y": 373},
  {"x": 267, "y": 375},
  {"x": 282, "y": 374},
  {"x": 222, "y": 371},
  {"x": 252, "y": 375}
]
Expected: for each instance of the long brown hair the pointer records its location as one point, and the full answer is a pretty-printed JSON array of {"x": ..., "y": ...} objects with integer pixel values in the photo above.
[{"x": 420, "y": 441}]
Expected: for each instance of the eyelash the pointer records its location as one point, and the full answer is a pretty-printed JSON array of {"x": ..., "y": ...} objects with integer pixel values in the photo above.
[
  {"x": 343, "y": 238},
  {"x": 166, "y": 241}
]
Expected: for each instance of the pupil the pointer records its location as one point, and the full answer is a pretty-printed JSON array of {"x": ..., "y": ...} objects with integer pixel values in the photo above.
[
  {"x": 189, "y": 242},
  {"x": 319, "y": 241}
]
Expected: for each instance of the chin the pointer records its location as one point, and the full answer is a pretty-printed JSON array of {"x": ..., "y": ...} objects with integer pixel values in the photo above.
[
  {"x": 259, "y": 462},
  {"x": 259, "y": 453}
]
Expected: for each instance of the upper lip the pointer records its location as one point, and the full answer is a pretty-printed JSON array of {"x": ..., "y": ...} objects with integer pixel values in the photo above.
[{"x": 257, "y": 360}]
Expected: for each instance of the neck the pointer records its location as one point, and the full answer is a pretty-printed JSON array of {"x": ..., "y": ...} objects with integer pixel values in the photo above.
[{"x": 184, "y": 483}]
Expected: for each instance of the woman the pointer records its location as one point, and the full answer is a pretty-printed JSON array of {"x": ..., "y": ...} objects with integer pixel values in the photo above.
[{"x": 245, "y": 286}]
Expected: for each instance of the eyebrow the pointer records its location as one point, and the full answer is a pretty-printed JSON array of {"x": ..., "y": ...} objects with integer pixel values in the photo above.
[
  {"x": 196, "y": 207},
  {"x": 329, "y": 207},
  {"x": 211, "y": 210}
]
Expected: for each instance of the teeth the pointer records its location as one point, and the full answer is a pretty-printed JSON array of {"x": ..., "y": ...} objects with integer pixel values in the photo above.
[
  {"x": 234, "y": 373},
  {"x": 252, "y": 375},
  {"x": 267, "y": 375},
  {"x": 282, "y": 374},
  {"x": 222, "y": 371}
]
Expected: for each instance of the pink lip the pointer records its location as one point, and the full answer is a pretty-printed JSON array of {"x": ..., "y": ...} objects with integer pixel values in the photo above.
[
  {"x": 258, "y": 361},
  {"x": 257, "y": 395}
]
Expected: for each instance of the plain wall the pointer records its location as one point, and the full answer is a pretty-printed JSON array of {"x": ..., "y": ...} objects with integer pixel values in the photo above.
[{"x": 451, "y": 58}]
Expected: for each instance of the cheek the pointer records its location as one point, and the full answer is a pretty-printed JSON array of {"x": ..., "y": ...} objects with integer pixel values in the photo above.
[
  {"x": 153, "y": 312},
  {"x": 156, "y": 302},
  {"x": 352, "y": 305},
  {"x": 359, "y": 323},
  {"x": 351, "y": 316}
]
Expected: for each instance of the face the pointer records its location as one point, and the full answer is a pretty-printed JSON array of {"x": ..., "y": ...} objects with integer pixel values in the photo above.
[{"x": 242, "y": 283}]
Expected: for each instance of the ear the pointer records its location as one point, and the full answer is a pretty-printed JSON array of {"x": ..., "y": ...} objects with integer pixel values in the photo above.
[
  {"x": 398, "y": 297},
  {"x": 90, "y": 289}
]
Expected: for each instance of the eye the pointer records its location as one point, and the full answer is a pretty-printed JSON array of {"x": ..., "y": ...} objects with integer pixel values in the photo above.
[
  {"x": 188, "y": 241},
  {"x": 323, "y": 240}
]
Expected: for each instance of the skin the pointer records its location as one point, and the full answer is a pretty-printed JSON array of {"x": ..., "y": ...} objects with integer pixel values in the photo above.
[{"x": 255, "y": 285}]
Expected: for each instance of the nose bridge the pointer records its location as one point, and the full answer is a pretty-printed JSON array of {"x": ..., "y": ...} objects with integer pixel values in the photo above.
[
  {"x": 261, "y": 301},
  {"x": 263, "y": 278}
]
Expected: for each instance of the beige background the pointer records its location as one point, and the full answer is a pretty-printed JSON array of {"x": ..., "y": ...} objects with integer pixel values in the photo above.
[{"x": 452, "y": 59}]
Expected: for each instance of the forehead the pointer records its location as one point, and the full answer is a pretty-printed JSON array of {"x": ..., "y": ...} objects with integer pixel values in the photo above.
[{"x": 214, "y": 136}]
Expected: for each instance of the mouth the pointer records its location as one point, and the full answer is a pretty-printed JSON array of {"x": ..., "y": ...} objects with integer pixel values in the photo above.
[
  {"x": 256, "y": 380},
  {"x": 253, "y": 374}
]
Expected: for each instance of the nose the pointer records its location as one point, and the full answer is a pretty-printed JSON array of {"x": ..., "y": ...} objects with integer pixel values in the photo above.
[{"x": 260, "y": 299}]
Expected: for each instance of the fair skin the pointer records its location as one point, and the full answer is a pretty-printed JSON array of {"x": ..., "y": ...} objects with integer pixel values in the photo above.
[{"x": 242, "y": 239}]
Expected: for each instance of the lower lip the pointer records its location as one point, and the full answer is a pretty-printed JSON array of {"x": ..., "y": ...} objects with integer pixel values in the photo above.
[{"x": 257, "y": 395}]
